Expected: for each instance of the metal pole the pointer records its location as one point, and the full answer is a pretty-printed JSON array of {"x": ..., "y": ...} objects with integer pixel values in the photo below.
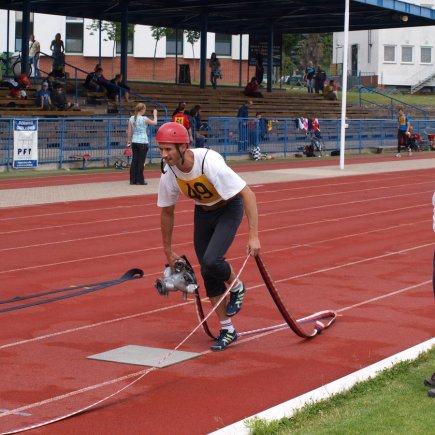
[
  {"x": 240, "y": 61},
  {"x": 344, "y": 84},
  {"x": 203, "y": 50},
  {"x": 99, "y": 42},
  {"x": 25, "y": 38}
]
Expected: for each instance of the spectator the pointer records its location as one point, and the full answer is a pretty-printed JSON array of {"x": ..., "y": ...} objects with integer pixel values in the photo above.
[
  {"x": 180, "y": 107},
  {"x": 34, "y": 49},
  {"x": 403, "y": 126},
  {"x": 330, "y": 91},
  {"x": 215, "y": 70},
  {"x": 137, "y": 138},
  {"x": 309, "y": 77},
  {"x": 43, "y": 100},
  {"x": 196, "y": 125},
  {"x": 263, "y": 126},
  {"x": 195, "y": 117},
  {"x": 59, "y": 99},
  {"x": 58, "y": 53},
  {"x": 180, "y": 117},
  {"x": 243, "y": 113},
  {"x": 259, "y": 68},
  {"x": 319, "y": 79},
  {"x": 117, "y": 86},
  {"x": 52, "y": 82},
  {"x": 252, "y": 89},
  {"x": 220, "y": 197},
  {"x": 91, "y": 83}
]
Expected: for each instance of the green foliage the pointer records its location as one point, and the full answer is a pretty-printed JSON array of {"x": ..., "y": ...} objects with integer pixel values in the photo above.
[
  {"x": 299, "y": 49},
  {"x": 158, "y": 33},
  {"x": 111, "y": 29}
]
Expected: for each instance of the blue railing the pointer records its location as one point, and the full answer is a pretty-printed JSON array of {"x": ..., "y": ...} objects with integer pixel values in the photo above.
[
  {"x": 64, "y": 140},
  {"x": 392, "y": 103}
]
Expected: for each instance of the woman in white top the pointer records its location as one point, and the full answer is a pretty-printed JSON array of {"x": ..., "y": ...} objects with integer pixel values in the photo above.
[{"x": 137, "y": 138}]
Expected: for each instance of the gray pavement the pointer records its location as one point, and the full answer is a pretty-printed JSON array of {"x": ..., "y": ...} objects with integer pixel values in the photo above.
[{"x": 90, "y": 191}]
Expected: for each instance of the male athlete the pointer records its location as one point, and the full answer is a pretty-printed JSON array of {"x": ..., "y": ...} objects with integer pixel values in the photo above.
[{"x": 220, "y": 196}]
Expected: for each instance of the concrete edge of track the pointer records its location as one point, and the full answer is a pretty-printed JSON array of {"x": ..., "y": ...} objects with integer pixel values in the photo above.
[
  {"x": 287, "y": 409},
  {"x": 113, "y": 189}
]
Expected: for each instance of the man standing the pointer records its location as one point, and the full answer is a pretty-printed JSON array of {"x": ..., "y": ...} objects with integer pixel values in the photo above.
[
  {"x": 34, "y": 49},
  {"x": 403, "y": 128},
  {"x": 220, "y": 197}
]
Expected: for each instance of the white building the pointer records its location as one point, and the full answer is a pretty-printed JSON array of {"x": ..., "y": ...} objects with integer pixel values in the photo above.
[{"x": 398, "y": 57}]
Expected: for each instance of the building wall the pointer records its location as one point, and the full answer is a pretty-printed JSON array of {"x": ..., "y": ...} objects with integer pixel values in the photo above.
[
  {"x": 397, "y": 72},
  {"x": 141, "y": 64}
]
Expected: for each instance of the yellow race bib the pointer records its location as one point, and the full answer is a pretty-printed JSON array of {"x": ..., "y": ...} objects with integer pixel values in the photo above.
[{"x": 199, "y": 189}]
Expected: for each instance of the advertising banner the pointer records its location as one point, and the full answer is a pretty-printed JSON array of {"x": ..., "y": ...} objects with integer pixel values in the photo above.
[{"x": 25, "y": 143}]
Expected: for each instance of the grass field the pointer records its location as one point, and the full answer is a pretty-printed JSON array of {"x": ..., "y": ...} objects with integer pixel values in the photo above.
[{"x": 394, "y": 402}]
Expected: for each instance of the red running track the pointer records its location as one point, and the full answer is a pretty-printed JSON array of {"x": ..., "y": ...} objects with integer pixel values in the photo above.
[{"x": 360, "y": 245}]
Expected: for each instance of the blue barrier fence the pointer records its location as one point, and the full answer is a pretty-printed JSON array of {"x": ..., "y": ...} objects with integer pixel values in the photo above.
[{"x": 64, "y": 140}]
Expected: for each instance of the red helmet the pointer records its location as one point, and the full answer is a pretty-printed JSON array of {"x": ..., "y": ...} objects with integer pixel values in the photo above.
[{"x": 172, "y": 132}]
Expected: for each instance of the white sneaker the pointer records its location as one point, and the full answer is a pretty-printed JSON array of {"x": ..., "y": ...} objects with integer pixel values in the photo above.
[{"x": 398, "y": 155}]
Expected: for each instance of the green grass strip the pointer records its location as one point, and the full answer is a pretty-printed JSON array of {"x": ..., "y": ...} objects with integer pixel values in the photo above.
[{"x": 393, "y": 402}]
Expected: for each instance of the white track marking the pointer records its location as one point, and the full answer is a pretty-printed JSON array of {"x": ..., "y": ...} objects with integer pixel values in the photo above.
[
  {"x": 146, "y": 371},
  {"x": 94, "y": 325},
  {"x": 315, "y": 272}
]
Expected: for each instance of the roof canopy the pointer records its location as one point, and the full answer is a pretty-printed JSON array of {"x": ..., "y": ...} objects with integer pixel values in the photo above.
[{"x": 235, "y": 17}]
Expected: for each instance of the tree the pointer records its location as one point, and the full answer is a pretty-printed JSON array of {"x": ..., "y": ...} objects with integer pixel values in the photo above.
[
  {"x": 113, "y": 32},
  {"x": 299, "y": 49},
  {"x": 158, "y": 33},
  {"x": 193, "y": 36}
]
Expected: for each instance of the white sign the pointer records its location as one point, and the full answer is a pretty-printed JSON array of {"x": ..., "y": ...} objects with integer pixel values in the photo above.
[{"x": 25, "y": 143}]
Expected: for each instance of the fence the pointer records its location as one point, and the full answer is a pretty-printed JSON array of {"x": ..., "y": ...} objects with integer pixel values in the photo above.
[{"x": 103, "y": 140}]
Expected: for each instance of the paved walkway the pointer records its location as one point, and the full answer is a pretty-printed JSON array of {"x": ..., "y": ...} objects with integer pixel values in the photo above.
[{"x": 83, "y": 192}]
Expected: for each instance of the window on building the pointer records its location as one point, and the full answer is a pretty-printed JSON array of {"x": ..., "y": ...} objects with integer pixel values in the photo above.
[
  {"x": 129, "y": 46},
  {"x": 170, "y": 42},
  {"x": 19, "y": 29},
  {"x": 74, "y": 35},
  {"x": 407, "y": 54},
  {"x": 426, "y": 54},
  {"x": 389, "y": 53},
  {"x": 222, "y": 44}
]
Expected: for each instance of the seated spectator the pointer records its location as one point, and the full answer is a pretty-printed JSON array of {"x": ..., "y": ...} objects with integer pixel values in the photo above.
[
  {"x": 52, "y": 82},
  {"x": 253, "y": 89},
  {"x": 117, "y": 87},
  {"x": 43, "y": 100},
  {"x": 59, "y": 99},
  {"x": 91, "y": 83},
  {"x": 95, "y": 80},
  {"x": 330, "y": 91}
]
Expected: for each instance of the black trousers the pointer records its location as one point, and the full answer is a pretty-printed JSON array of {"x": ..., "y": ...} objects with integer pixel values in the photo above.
[
  {"x": 214, "y": 232},
  {"x": 401, "y": 139},
  {"x": 140, "y": 151}
]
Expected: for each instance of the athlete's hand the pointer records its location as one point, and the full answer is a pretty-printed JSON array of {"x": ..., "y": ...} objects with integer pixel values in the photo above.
[
  {"x": 253, "y": 247},
  {"x": 172, "y": 258}
]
